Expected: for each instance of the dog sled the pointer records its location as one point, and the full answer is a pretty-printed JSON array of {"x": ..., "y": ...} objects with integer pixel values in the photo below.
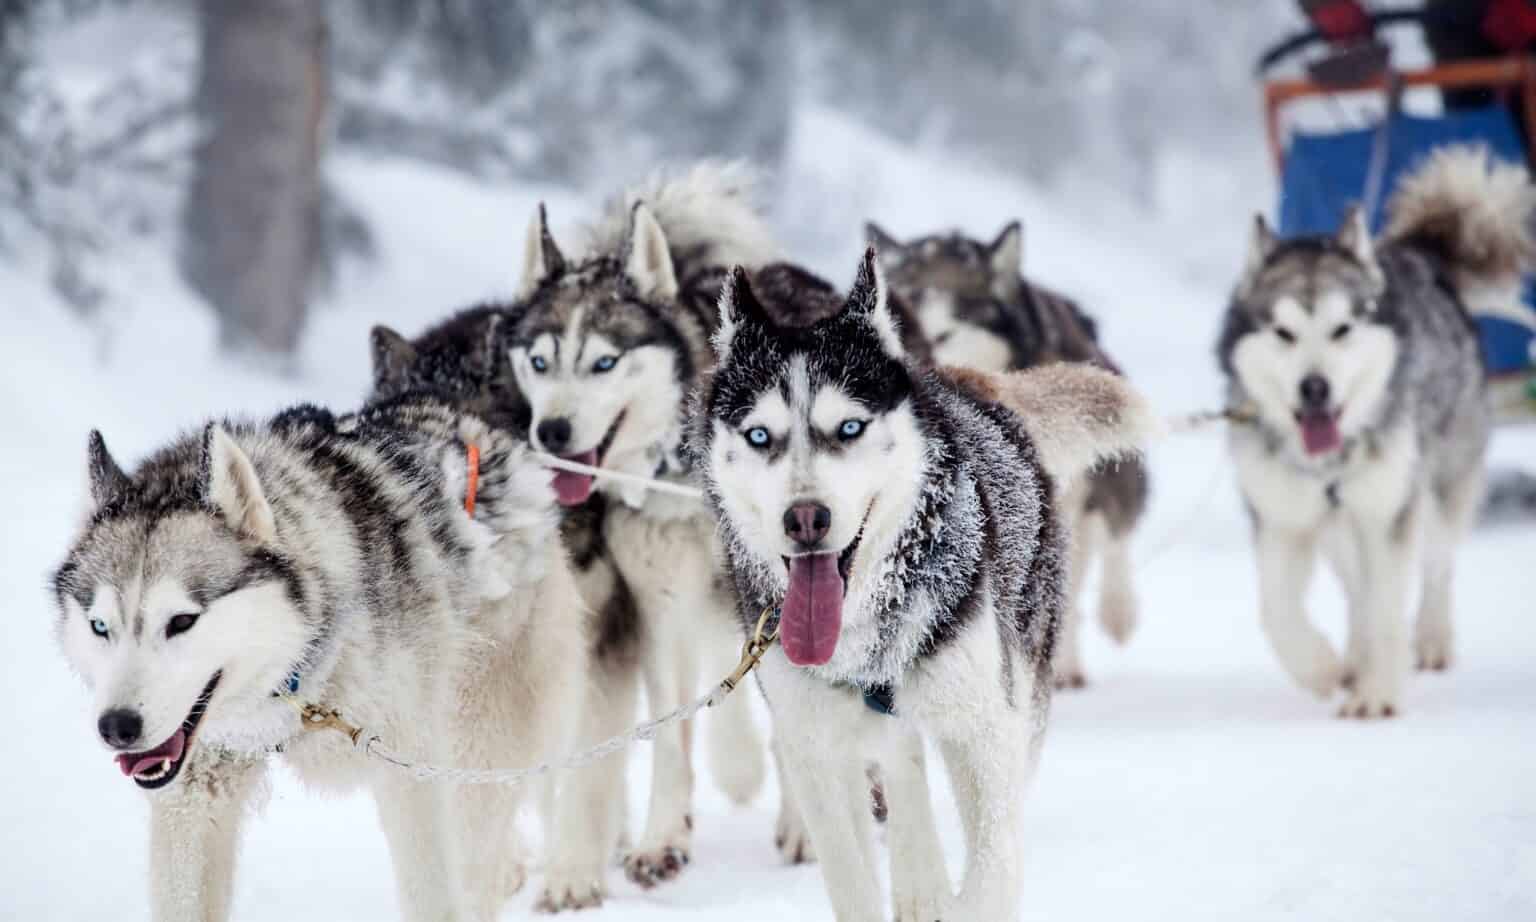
[{"x": 1329, "y": 154}]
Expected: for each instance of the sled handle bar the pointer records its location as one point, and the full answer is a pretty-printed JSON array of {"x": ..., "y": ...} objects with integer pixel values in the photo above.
[{"x": 1289, "y": 46}]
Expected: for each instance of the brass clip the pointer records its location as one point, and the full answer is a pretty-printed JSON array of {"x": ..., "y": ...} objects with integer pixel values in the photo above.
[
  {"x": 318, "y": 717},
  {"x": 752, "y": 651}
]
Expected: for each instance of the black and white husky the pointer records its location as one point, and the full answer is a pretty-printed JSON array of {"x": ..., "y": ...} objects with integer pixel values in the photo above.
[
  {"x": 605, "y": 348},
  {"x": 334, "y": 559},
  {"x": 902, "y": 522},
  {"x": 1362, "y": 365},
  {"x": 977, "y": 310}
]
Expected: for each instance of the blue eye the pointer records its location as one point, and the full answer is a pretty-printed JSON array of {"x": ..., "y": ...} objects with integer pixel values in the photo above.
[
  {"x": 850, "y": 429},
  {"x": 758, "y": 437},
  {"x": 98, "y": 627},
  {"x": 605, "y": 363},
  {"x": 539, "y": 363}
]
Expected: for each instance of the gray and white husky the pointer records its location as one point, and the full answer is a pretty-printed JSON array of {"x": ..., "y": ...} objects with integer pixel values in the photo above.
[
  {"x": 978, "y": 311},
  {"x": 606, "y": 349},
  {"x": 1362, "y": 365},
  {"x": 334, "y": 559},
  {"x": 902, "y": 522}
]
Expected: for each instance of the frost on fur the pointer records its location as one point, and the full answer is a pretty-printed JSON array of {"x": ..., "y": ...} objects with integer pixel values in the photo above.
[
  {"x": 1077, "y": 415},
  {"x": 1475, "y": 212}
]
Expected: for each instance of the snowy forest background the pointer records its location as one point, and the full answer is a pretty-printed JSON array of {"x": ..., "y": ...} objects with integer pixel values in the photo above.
[{"x": 193, "y": 126}]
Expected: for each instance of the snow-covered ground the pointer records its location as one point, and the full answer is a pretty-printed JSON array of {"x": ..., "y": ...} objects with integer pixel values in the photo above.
[{"x": 1191, "y": 781}]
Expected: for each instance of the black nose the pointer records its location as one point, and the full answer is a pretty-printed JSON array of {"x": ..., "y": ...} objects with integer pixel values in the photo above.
[
  {"x": 807, "y": 523},
  {"x": 1314, "y": 392},
  {"x": 120, "y": 728},
  {"x": 555, "y": 434}
]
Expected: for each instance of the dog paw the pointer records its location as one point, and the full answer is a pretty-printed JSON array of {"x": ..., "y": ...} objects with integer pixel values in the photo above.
[
  {"x": 792, "y": 840},
  {"x": 569, "y": 888},
  {"x": 1368, "y": 701},
  {"x": 1321, "y": 672},
  {"x": 1117, "y": 615},
  {"x": 1070, "y": 679},
  {"x": 647, "y": 867},
  {"x": 1433, "y": 652},
  {"x": 918, "y": 910}
]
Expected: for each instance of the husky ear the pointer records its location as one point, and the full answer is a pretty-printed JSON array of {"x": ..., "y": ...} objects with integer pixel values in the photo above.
[
  {"x": 739, "y": 307},
  {"x": 231, "y": 488},
  {"x": 1261, "y": 244},
  {"x": 393, "y": 356},
  {"x": 1005, "y": 256},
  {"x": 868, "y": 300},
  {"x": 107, "y": 480},
  {"x": 650, "y": 259},
  {"x": 1354, "y": 237},
  {"x": 541, "y": 257},
  {"x": 884, "y": 244}
]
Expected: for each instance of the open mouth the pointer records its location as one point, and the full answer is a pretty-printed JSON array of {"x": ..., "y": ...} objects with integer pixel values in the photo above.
[
  {"x": 573, "y": 489},
  {"x": 158, "y": 767},
  {"x": 1319, "y": 430},
  {"x": 811, "y": 618}
]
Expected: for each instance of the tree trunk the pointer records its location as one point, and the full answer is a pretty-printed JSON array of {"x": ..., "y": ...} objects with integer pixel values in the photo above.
[{"x": 253, "y": 211}]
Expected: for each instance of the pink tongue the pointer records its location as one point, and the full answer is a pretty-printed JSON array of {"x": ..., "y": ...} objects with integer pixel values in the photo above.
[
  {"x": 1319, "y": 433},
  {"x": 812, "y": 616},
  {"x": 136, "y": 762},
  {"x": 573, "y": 489}
]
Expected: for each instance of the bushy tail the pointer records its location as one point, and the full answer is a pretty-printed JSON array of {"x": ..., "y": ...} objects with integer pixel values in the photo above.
[
  {"x": 1078, "y": 415},
  {"x": 1475, "y": 213},
  {"x": 708, "y": 213}
]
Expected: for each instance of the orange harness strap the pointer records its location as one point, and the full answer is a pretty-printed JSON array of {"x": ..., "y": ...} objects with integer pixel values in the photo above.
[{"x": 472, "y": 464}]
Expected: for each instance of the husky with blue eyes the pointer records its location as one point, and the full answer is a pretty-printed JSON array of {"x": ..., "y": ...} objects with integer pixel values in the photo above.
[
  {"x": 370, "y": 563},
  {"x": 1363, "y": 368},
  {"x": 902, "y": 523},
  {"x": 605, "y": 347}
]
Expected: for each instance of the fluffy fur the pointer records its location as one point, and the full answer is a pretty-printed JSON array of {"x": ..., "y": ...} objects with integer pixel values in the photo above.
[
  {"x": 1364, "y": 369},
  {"x": 606, "y": 348},
  {"x": 978, "y": 311},
  {"x": 937, "y": 510},
  {"x": 334, "y": 557}
]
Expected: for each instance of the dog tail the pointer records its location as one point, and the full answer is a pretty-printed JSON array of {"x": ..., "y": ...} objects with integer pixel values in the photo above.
[
  {"x": 1474, "y": 213},
  {"x": 708, "y": 212},
  {"x": 1078, "y": 415}
]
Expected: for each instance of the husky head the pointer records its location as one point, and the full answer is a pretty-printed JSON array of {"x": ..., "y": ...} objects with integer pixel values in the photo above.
[
  {"x": 462, "y": 360},
  {"x": 812, "y": 453},
  {"x": 965, "y": 294},
  {"x": 603, "y": 368},
  {"x": 175, "y": 603},
  {"x": 1309, "y": 338}
]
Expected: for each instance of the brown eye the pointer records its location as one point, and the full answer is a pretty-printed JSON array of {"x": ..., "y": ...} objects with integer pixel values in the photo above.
[
  {"x": 1341, "y": 331},
  {"x": 1286, "y": 336},
  {"x": 180, "y": 624}
]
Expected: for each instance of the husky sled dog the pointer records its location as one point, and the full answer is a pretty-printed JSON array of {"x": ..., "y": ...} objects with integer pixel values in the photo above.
[
  {"x": 464, "y": 361},
  {"x": 1363, "y": 367},
  {"x": 902, "y": 521},
  {"x": 979, "y": 312},
  {"x": 332, "y": 558},
  {"x": 606, "y": 349}
]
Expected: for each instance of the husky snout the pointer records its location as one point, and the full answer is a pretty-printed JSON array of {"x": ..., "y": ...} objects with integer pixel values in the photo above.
[
  {"x": 1314, "y": 393},
  {"x": 120, "y": 728},
  {"x": 807, "y": 523},
  {"x": 554, "y": 434}
]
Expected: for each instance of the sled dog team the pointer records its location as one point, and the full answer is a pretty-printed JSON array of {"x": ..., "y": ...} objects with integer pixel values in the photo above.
[{"x": 914, "y": 474}]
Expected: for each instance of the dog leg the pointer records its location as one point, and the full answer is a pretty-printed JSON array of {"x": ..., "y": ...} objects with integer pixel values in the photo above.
[
  {"x": 591, "y": 805},
  {"x": 416, "y": 820},
  {"x": 1387, "y": 550},
  {"x": 789, "y": 834},
  {"x": 194, "y": 831},
  {"x": 1448, "y": 523},
  {"x": 736, "y": 758},
  {"x": 1068, "y": 664},
  {"x": 989, "y": 767},
  {"x": 663, "y": 850},
  {"x": 1342, "y": 552},
  {"x": 833, "y": 792},
  {"x": 1117, "y": 592},
  {"x": 1285, "y": 561},
  {"x": 920, "y": 889}
]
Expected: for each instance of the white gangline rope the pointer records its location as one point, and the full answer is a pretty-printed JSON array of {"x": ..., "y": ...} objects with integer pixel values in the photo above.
[{"x": 649, "y": 483}]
